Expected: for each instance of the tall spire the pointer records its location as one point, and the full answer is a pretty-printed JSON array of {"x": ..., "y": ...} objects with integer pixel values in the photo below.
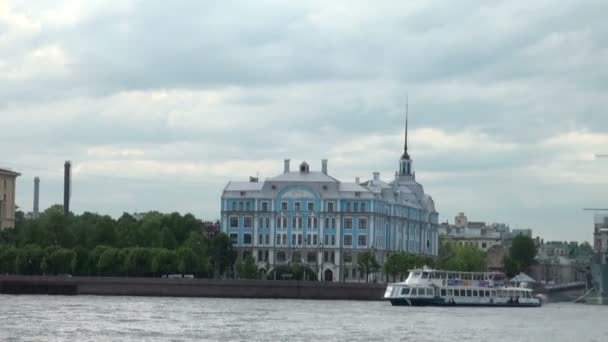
[{"x": 405, "y": 154}]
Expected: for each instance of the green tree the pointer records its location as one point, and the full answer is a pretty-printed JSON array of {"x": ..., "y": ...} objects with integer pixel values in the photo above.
[
  {"x": 466, "y": 259},
  {"x": 247, "y": 268},
  {"x": 523, "y": 251},
  {"x": 61, "y": 261},
  {"x": 391, "y": 265},
  {"x": 138, "y": 261},
  {"x": 168, "y": 239},
  {"x": 29, "y": 259},
  {"x": 80, "y": 263},
  {"x": 164, "y": 262},
  {"x": 188, "y": 261},
  {"x": 511, "y": 267},
  {"x": 109, "y": 262},
  {"x": 367, "y": 263},
  {"x": 222, "y": 254},
  {"x": 8, "y": 255}
]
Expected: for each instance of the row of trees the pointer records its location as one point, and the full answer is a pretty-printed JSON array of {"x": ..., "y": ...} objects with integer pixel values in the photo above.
[
  {"x": 451, "y": 257},
  {"x": 91, "y": 244},
  {"x": 157, "y": 244}
]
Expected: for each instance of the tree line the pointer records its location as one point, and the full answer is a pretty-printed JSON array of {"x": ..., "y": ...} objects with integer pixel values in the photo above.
[
  {"x": 97, "y": 245},
  {"x": 158, "y": 244}
]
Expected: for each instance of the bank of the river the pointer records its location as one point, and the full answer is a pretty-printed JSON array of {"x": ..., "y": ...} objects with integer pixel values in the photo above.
[{"x": 122, "y": 286}]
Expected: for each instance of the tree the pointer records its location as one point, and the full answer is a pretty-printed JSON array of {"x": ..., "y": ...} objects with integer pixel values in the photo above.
[
  {"x": 138, "y": 261},
  {"x": 523, "y": 251},
  {"x": 109, "y": 262},
  {"x": 29, "y": 259},
  {"x": 164, "y": 262},
  {"x": 511, "y": 267},
  {"x": 367, "y": 263},
  {"x": 222, "y": 254},
  {"x": 188, "y": 261},
  {"x": 61, "y": 261},
  {"x": 168, "y": 239},
  {"x": 8, "y": 255},
  {"x": 247, "y": 268},
  {"x": 391, "y": 265},
  {"x": 466, "y": 259}
]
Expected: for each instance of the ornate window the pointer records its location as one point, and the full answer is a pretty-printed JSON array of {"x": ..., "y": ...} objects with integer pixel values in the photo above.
[
  {"x": 348, "y": 240},
  {"x": 362, "y": 240},
  {"x": 348, "y": 223},
  {"x": 362, "y": 223}
]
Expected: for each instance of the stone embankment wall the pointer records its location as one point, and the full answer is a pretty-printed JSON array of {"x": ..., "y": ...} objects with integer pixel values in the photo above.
[{"x": 118, "y": 286}]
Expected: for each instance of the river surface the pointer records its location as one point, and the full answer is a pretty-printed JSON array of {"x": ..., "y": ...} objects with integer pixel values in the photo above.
[{"x": 96, "y": 318}]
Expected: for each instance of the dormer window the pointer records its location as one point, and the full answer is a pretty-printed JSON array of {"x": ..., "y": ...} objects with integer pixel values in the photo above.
[{"x": 304, "y": 167}]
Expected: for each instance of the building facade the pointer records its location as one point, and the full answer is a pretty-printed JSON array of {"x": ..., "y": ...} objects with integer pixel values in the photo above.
[
  {"x": 8, "y": 183},
  {"x": 600, "y": 233},
  {"x": 310, "y": 217}
]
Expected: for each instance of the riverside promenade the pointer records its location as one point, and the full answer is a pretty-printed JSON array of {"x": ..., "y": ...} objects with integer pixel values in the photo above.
[{"x": 183, "y": 287}]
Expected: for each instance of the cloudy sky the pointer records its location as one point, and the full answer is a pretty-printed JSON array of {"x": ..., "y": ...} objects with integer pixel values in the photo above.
[{"x": 159, "y": 104}]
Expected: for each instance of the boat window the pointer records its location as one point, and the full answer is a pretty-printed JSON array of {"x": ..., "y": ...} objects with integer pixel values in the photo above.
[
  {"x": 475, "y": 293},
  {"x": 462, "y": 293},
  {"x": 487, "y": 293},
  {"x": 450, "y": 293},
  {"x": 469, "y": 293},
  {"x": 443, "y": 293},
  {"x": 429, "y": 292},
  {"x": 416, "y": 274},
  {"x": 414, "y": 292},
  {"x": 405, "y": 291},
  {"x": 425, "y": 275},
  {"x": 493, "y": 293},
  {"x": 482, "y": 293}
]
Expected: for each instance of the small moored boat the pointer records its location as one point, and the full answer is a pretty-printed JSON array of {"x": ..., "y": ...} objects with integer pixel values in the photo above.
[{"x": 445, "y": 288}]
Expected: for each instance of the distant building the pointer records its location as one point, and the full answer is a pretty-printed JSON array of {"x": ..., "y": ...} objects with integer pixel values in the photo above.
[
  {"x": 310, "y": 217},
  {"x": 474, "y": 233},
  {"x": 8, "y": 180},
  {"x": 600, "y": 233},
  {"x": 482, "y": 243}
]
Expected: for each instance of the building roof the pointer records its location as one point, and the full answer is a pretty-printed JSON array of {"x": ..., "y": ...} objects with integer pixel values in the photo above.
[
  {"x": 297, "y": 176},
  {"x": 8, "y": 172},
  {"x": 353, "y": 187}
]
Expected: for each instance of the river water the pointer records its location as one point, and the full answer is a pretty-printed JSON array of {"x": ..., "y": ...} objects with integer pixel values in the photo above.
[{"x": 96, "y": 318}]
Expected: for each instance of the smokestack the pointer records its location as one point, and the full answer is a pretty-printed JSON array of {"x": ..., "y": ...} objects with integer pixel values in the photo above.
[
  {"x": 357, "y": 180},
  {"x": 67, "y": 186},
  {"x": 324, "y": 166},
  {"x": 376, "y": 176},
  {"x": 36, "y": 196},
  {"x": 286, "y": 166}
]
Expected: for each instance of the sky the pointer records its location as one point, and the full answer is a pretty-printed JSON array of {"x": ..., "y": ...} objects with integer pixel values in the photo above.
[{"x": 159, "y": 104}]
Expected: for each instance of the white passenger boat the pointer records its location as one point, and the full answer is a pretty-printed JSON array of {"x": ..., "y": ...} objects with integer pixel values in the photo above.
[{"x": 425, "y": 287}]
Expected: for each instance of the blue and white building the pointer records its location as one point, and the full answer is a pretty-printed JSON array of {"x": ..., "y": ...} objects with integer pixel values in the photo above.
[{"x": 311, "y": 217}]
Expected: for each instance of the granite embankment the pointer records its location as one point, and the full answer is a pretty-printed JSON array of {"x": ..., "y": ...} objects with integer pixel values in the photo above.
[{"x": 121, "y": 286}]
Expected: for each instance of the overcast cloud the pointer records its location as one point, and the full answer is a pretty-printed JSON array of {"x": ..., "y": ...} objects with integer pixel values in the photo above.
[{"x": 159, "y": 104}]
